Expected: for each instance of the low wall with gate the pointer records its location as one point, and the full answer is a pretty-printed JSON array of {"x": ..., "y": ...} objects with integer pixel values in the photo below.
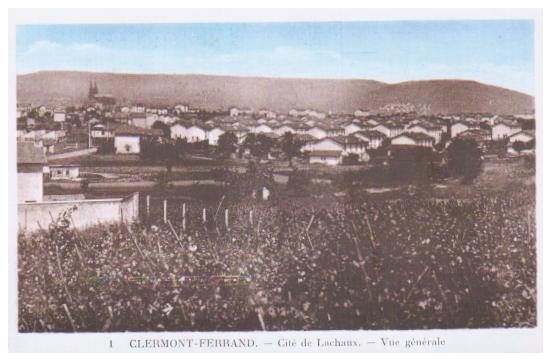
[{"x": 87, "y": 212}]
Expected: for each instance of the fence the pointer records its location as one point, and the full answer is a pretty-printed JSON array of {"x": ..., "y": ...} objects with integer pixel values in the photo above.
[
  {"x": 183, "y": 214},
  {"x": 88, "y": 212}
]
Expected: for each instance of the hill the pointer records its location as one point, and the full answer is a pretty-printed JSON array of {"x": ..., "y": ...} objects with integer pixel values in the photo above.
[
  {"x": 453, "y": 96},
  {"x": 281, "y": 94}
]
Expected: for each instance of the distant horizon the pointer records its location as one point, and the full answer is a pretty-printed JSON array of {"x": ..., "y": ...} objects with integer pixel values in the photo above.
[
  {"x": 269, "y": 77},
  {"x": 495, "y": 52}
]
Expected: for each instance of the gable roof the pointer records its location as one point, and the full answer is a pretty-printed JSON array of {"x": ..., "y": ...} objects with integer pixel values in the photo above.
[
  {"x": 369, "y": 134},
  {"x": 325, "y": 153},
  {"x": 415, "y": 136},
  {"x": 126, "y": 129},
  {"x": 345, "y": 140}
]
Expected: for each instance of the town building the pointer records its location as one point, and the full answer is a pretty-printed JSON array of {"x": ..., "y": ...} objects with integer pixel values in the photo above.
[
  {"x": 128, "y": 138},
  {"x": 64, "y": 171},
  {"x": 30, "y": 163},
  {"x": 504, "y": 130},
  {"x": 413, "y": 139}
]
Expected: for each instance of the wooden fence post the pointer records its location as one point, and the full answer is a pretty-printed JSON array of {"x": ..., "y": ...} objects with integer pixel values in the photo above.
[
  {"x": 147, "y": 206},
  {"x": 226, "y": 220},
  {"x": 184, "y": 217},
  {"x": 204, "y": 215},
  {"x": 164, "y": 211}
]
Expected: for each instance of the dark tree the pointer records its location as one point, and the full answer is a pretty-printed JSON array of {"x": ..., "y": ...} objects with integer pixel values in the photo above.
[
  {"x": 464, "y": 159},
  {"x": 164, "y": 151},
  {"x": 410, "y": 166},
  {"x": 351, "y": 159},
  {"x": 168, "y": 154},
  {"x": 162, "y": 126},
  {"x": 290, "y": 147},
  {"x": 84, "y": 185},
  {"x": 227, "y": 144},
  {"x": 259, "y": 145},
  {"x": 519, "y": 146}
]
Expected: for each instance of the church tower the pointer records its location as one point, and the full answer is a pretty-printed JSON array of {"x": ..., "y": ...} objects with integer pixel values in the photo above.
[{"x": 93, "y": 90}]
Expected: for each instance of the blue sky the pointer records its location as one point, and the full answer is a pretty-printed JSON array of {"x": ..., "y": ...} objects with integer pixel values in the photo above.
[{"x": 499, "y": 52}]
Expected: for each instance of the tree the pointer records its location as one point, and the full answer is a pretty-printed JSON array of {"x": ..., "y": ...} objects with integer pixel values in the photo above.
[
  {"x": 351, "y": 159},
  {"x": 464, "y": 159},
  {"x": 227, "y": 144},
  {"x": 165, "y": 151},
  {"x": 258, "y": 144},
  {"x": 290, "y": 147},
  {"x": 168, "y": 153},
  {"x": 411, "y": 165},
  {"x": 519, "y": 146},
  {"x": 162, "y": 126},
  {"x": 84, "y": 185}
]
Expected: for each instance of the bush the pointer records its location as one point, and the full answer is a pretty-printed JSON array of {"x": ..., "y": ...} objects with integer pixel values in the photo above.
[
  {"x": 351, "y": 159},
  {"x": 464, "y": 159},
  {"x": 299, "y": 182},
  {"x": 362, "y": 264}
]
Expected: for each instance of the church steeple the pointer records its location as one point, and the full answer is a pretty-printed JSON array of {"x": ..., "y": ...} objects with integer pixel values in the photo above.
[{"x": 93, "y": 90}]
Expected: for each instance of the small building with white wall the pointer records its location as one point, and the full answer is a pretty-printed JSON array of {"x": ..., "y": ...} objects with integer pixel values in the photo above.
[
  {"x": 30, "y": 163},
  {"x": 64, "y": 171},
  {"x": 504, "y": 130}
]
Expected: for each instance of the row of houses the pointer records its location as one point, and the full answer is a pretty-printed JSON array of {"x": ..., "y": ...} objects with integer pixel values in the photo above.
[{"x": 370, "y": 132}]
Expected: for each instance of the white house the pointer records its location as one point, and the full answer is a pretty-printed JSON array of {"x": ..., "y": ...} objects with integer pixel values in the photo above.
[
  {"x": 101, "y": 132},
  {"x": 318, "y": 132},
  {"x": 177, "y": 130},
  {"x": 414, "y": 139},
  {"x": 141, "y": 120},
  {"x": 457, "y": 128},
  {"x": 361, "y": 113},
  {"x": 192, "y": 133},
  {"x": 234, "y": 112},
  {"x": 138, "y": 108},
  {"x": 128, "y": 138},
  {"x": 351, "y": 128},
  {"x": 213, "y": 135},
  {"x": 323, "y": 144},
  {"x": 372, "y": 122},
  {"x": 196, "y": 133},
  {"x": 433, "y": 131},
  {"x": 383, "y": 129},
  {"x": 316, "y": 114},
  {"x": 281, "y": 130},
  {"x": 352, "y": 145},
  {"x": 395, "y": 129},
  {"x": 261, "y": 128},
  {"x": 504, "y": 130},
  {"x": 373, "y": 138},
  {"x": 127, "y": 144},
  {"x": 331, "y": 150},
  {"x": 329, "y": 157},
  {"x": 59, "y": 116},
  {"x": 64, "y": 171},
  {"x": 30, "y": 163},
  {"x": 268, "y": 114},
  {"x": 522, "y": 136}
]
